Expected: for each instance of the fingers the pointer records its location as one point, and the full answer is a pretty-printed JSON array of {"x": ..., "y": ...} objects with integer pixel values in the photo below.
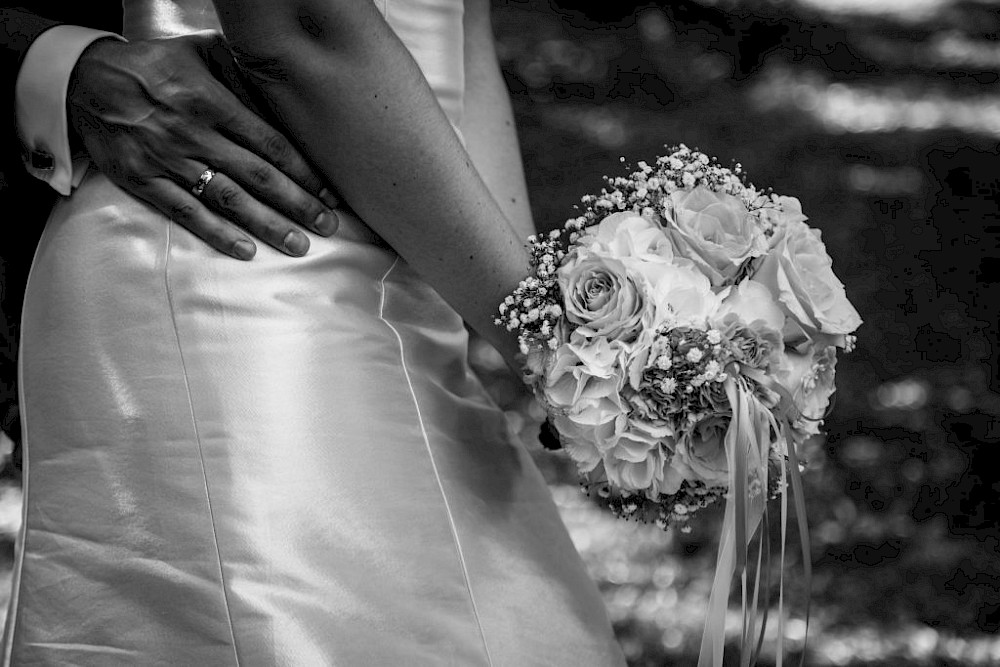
[
  {"x": 226, "y": 197},
  {"x": 156, "y": 138},
  {"x": 188, "y": 211},
  {"x": 243, "y": 122},
  {"x": 252, "y": 133},
  {"x": 267, "y": 184}
]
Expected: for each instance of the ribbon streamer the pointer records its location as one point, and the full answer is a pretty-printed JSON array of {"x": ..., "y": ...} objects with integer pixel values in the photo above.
[{"x": 748, "y": 442}]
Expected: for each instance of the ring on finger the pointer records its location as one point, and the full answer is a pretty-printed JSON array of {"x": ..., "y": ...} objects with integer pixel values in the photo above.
[{"x": 203, "y": 180}]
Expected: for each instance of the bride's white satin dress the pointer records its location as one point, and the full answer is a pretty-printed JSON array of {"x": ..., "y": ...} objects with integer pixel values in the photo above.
[{"x": 279, "y": 462}]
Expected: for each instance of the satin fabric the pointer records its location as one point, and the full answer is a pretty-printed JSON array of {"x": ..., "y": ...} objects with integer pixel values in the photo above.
[{"x": 279, "y": 462}]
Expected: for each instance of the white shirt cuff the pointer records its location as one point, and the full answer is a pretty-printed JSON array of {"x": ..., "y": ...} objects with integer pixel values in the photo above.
[{"x": 40, "y": 104}]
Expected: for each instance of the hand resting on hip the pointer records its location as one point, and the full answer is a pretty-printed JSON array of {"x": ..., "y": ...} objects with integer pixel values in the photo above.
[{"x": 161, "y": 117}]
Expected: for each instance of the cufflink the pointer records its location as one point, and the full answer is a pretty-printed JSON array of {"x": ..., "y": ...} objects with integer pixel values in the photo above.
[{"x": 40, "y": 160}]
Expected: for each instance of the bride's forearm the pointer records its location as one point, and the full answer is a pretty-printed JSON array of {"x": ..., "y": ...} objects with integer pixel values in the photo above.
[{"x": 356, "y": 102}]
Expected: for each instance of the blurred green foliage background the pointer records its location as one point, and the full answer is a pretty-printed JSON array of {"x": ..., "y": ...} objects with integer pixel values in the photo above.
[{"x": 882, "y": 117}]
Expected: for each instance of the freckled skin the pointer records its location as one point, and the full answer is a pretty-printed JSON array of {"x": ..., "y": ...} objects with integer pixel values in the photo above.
[{"x": 348, "y": 67}]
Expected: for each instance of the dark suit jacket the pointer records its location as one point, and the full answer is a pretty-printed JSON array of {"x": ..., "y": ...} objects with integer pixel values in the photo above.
[{"x": 24, "y": 200}]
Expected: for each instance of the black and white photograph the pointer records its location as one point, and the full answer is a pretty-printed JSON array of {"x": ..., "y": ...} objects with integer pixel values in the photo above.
[{"x": 495, "y": 333}]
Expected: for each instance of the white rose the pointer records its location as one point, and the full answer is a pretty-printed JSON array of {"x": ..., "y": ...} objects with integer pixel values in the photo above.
[
  {"x": 754, "y": 304},
  {"x": 799, "y": 272},
  {"x": 636, "y": 458},
  {"x": 715, "y": 230},
  {"x": 628, "y": 235},
  {"x": 701, "y": 451},
  {"x": 681, "y": 297}
]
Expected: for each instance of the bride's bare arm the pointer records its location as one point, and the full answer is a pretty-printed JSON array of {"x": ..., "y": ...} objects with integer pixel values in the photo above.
[
  {"x": 348, "y": 91},
  {"x": 488, "y": 120}
]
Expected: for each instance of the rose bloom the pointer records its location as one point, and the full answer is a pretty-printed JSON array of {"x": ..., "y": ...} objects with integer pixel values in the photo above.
[
  {"x": 635, "y": 457},
  {"x": 715, "y": 230},
  {"x": 799, "y": 272},
  {"x": 701, "y": 451},
  {"x": 680, "y": 296},
  {"x": 636, "y": 476},
  {"x": 628, "y": 235},
  {"x": 602, "y": 296},
  {"x": 754, "y": 304},
  {"x": 809, "y": 378},
  {"x": 639, "y": 475}
]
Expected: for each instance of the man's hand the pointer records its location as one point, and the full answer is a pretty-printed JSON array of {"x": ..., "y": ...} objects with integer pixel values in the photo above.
[{"x": 153, "y": 116}]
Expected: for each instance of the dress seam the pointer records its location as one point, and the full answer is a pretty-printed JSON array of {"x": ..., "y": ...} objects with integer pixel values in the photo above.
[
  {"x": 430, "y": 455},
  {"x": 197, "y": 435}
]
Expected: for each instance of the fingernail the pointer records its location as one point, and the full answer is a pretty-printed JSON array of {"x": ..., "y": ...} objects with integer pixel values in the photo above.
[
  {"x": 244, "y": 249},
  {"x": 326, "y": 223},
  {"x": 296, "y": 243},
  {"x": 327, "y": 198}
]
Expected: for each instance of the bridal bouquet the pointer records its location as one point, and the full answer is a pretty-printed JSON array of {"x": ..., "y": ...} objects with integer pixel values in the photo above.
[{"x": 682, "y": 334}]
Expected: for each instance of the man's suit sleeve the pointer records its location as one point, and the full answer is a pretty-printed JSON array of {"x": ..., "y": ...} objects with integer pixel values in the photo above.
[
  {"x": 25, "y": 201},
  {"x": 19, "y": 28},
  {"x": 40, "y": 54},
  {"x": 40, "y": 101}
]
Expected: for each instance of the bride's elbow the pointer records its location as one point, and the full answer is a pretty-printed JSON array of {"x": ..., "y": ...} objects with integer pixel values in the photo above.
[
  {"x": 299, "y": 38},
  {"x": 280, "y": 28}
]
